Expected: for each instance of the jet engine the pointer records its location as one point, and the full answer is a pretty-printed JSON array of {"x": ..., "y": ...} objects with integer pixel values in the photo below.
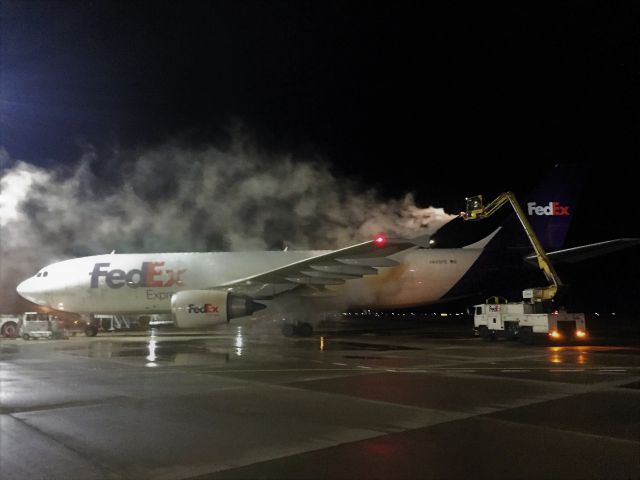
[{"x": 205, "y": 308}]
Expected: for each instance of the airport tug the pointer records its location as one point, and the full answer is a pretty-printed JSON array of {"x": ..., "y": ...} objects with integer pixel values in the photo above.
[{"x": 536, "y": 315}]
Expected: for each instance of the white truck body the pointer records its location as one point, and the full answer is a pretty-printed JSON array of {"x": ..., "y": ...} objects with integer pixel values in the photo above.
[
  {"x": 35, "y": 329},
  {"x": 34, "y": 325},
  {"x": 522, "y": 320}
]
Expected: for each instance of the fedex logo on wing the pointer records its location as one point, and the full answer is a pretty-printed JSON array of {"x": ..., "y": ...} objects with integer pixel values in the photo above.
[
  {"x": 206, "y": 308},
  {"x": 150, "y": 274},
  {"x": 553, "y": 208}
]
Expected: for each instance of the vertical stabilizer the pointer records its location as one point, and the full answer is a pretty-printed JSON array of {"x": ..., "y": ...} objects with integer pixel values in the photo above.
[{"x": 550, "y": 207}]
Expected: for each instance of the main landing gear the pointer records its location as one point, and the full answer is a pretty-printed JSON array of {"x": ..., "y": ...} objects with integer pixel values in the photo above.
[{"x": 297, "y": 329}]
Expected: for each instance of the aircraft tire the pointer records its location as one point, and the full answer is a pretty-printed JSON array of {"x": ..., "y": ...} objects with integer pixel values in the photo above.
[
  {"x": 288, "y": 330},
  {"x": 305, "y": 329},
  {"x": 25, "y": 336},
  {"x": 91, "y": 331}
]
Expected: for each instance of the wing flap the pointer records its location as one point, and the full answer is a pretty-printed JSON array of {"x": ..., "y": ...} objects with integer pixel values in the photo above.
[
  {"x": 369, "y": 262},
  {"x": 344, "y": 269},
  {"x": 344, "y": 276},
  {"x": 304, "y": 280}
]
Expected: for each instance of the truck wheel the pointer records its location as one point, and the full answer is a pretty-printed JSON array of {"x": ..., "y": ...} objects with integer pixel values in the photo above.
[
  {"x": 25, "y": 336},
  {"x": 526, "y": 336},
  {"x": 484, "y": 333},
  {"x": 10, "y": 330}
]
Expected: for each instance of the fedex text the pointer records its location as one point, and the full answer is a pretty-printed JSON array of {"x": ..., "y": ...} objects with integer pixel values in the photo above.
[
  {"x": 150, "y": 274},
  {"x": 206, "y": 308},
  {"x": 553, "y": 208}
]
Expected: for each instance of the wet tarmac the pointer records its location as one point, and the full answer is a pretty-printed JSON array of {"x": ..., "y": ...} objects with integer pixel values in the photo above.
[{"x": 245, "y": 402}]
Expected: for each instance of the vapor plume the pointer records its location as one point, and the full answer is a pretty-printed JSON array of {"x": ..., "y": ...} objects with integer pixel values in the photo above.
[{"x": 174, "y": 198}]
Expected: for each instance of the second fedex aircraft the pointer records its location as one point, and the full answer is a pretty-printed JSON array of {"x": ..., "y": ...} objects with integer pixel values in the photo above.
[{"x": 203, "y": 289}]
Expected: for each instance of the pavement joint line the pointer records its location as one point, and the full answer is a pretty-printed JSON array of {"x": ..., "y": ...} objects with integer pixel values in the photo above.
[
  {"x": 57, "y": 406},
  {"x": 483, "y": 415},
  {"x": 87, "y": 458},
  {"x": 576, "y": 432}
]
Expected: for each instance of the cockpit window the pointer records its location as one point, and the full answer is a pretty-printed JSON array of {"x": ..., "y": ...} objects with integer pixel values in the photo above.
[
  {"x": 45, "y": 274},
  {"x": 39, "y": 274}
]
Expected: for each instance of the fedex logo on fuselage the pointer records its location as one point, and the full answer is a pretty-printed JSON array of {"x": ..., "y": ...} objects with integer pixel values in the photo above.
[
  {"x": 553, "y": 208},
  {"x": 150, "y": 274}
]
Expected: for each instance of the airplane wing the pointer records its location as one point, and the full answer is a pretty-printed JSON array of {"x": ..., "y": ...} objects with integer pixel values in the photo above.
[
  {"x": 330, "y": 268},
  {"x": 577, "y": 254}
]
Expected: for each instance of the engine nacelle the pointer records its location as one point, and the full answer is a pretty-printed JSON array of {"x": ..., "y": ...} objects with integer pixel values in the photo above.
[{"x": 205, "y": 308}]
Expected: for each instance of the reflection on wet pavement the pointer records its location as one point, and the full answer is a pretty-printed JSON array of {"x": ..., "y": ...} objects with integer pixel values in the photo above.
[{"x": 245, "y": 403}]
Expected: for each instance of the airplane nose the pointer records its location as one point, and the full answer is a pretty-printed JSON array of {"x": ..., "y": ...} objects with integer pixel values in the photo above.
[
  {"x": 31, "y": 292},
  {"x": 21, "y": 288}
]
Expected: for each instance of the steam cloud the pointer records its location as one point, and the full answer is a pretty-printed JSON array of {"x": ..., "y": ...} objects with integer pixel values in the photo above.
[{"x": 173, "y": 198}]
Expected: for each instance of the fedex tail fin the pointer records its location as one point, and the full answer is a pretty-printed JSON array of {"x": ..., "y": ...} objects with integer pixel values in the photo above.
[{"x": 550, "y": 207}]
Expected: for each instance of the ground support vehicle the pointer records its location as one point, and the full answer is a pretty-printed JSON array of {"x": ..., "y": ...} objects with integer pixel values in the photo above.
[
  {"x": 526, "y": 321},
  {"x": 34, "y": 325}
]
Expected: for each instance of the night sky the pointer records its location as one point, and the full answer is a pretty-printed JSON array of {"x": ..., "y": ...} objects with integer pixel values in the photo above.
[{"x": 445, "y": 101}]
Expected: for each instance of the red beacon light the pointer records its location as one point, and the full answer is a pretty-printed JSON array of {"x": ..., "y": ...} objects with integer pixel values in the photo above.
[{"x": 380, "y": 240}]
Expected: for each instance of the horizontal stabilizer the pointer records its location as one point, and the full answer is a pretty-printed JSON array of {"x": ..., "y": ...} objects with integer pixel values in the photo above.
[
  {"x": 423, "y": 241},
  {"x": 584, "y": 252},
  {"x": 483, "y": 242}
]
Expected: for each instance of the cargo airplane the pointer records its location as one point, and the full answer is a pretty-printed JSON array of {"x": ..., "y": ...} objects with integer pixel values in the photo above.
[{"x": 201, "y": 290}]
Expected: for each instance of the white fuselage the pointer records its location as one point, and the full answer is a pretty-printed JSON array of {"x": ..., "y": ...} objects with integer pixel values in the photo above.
[{"x": 144, "y": 283}]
